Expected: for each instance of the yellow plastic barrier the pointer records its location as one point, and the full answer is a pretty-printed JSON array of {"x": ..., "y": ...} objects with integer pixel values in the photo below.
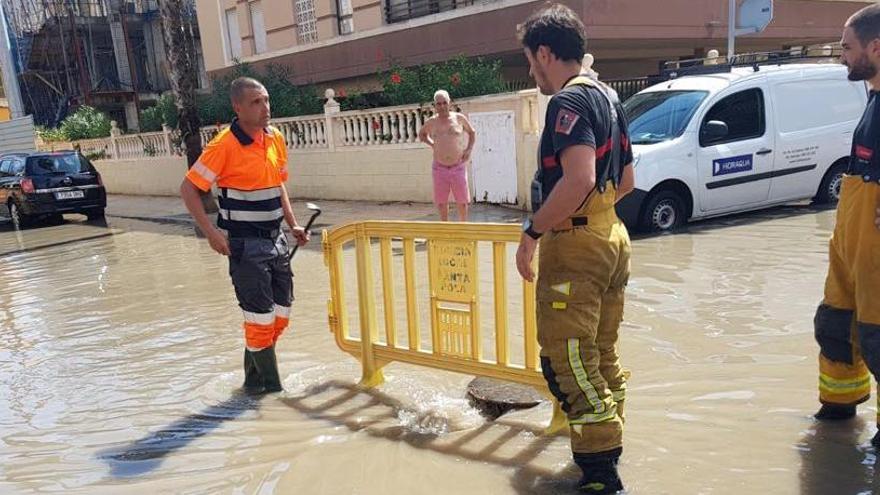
[{"x": 456, "y": 333}]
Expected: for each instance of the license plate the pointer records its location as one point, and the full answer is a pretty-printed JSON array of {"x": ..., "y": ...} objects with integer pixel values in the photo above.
[{"x": 70, "y": 195}]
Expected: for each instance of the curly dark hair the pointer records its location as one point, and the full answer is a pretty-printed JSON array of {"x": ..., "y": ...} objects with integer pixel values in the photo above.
[{"x": 558, "y": 28}]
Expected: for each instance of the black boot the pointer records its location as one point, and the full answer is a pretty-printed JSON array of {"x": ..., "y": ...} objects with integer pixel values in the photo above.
[
  {"x": 267, "y": 366},
  {"x": 600, "y": 473},
  {"x": 833, "y": 412},
  {"x": 600, "y": 476},
  {"x": 253, "y": 384}
]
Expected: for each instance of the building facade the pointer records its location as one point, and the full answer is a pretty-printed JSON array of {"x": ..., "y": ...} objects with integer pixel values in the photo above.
[{"x": 345, "y": 43}]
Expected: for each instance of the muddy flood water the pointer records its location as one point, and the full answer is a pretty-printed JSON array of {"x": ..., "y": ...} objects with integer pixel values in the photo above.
[{"x": 120, "y": 352}]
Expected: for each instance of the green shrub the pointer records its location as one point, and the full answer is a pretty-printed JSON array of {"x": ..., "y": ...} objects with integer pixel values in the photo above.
[
  {"x": 460, "y": 76},
  {"x": 49, "y": 135},
  {"x": 286, "y": 98},
  {"x": 85, "y": 123},
  {"x": 164, "y": 112}
]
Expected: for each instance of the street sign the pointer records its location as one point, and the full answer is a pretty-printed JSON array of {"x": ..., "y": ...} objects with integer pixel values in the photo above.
[{"x": 755, "y": 15}]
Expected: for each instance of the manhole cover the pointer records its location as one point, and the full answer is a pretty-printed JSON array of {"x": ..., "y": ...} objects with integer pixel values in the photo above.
[{"x": 493, "y": 398}]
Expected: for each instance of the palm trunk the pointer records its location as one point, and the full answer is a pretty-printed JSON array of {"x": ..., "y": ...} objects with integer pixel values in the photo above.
[{"x": 180, "y": 45}]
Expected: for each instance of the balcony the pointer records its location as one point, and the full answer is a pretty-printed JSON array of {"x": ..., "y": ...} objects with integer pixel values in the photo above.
[{"x": 404, "y": 10}]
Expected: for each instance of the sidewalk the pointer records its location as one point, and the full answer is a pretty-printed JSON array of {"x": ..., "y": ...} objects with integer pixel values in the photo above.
[{"x": 171, "y": 210}]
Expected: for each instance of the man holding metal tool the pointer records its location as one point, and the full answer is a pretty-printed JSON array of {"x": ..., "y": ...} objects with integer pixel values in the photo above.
[
  {"x": 584, "y": 169},
  {"x": 248, "y": 161}
]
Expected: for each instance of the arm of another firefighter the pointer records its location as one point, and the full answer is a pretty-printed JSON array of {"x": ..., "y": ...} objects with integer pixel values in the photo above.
[
  {"x": 628, "y": 176},
  {"x": 627, "y": 182}
]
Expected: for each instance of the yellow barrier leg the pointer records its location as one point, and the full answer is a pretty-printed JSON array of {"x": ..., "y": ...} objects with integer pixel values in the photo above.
[
  {"x": 372, "y": 375},
  {"x": 372, "y": 368},
  {"x": 559, "y": 421}
]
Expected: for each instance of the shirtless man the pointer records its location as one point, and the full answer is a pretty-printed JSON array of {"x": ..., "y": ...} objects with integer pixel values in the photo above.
[{"x": 443, "y": 133}]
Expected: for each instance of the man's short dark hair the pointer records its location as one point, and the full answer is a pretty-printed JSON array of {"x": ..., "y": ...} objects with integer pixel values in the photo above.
[
  {"x": 240, "y": 85},
  {"x": 866, "y": 24},
  {"x": 558, "y": 28}
]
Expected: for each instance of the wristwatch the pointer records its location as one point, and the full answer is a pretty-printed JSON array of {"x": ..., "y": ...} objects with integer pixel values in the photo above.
[{"x": 527, "y": 228}]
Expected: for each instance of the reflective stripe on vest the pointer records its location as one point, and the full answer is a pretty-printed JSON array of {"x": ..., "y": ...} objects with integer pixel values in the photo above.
[{"x": 260, "y": 209}]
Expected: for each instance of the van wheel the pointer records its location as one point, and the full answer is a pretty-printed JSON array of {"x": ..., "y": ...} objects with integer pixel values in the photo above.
[
  {"x": 664, "y": 212},
  {"x": 829, "y": 189}
]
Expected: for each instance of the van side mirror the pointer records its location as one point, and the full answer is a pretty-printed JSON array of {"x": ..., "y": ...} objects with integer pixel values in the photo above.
[{"x": 712, "y": 131}]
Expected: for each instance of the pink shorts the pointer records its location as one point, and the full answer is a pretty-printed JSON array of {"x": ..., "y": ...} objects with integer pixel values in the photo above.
[{"x": 450, "y": 178}]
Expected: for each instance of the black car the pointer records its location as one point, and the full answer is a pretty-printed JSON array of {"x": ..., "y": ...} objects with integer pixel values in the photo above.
[{"x": 39, "y": 185}]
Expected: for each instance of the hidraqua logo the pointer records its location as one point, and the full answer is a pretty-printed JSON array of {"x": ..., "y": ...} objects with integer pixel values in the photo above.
[{"x": 732, "y": 165}]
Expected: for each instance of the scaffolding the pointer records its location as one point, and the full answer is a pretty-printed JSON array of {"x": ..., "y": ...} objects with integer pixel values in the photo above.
[{"x": 109, "y": 54}]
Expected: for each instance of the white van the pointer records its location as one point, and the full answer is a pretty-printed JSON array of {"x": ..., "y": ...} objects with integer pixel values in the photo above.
[{"x": 713, "y": 144}]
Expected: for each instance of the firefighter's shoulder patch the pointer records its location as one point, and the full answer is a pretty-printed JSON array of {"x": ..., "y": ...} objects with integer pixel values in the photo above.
[{"x": 565, "y": 121}]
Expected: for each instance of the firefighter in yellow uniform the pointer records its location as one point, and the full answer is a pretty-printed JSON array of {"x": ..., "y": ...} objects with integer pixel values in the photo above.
[
  {"x": 583, "y": 267},
  {"x": 847, "y": 323},
  {"x": 248, "y": 162}
]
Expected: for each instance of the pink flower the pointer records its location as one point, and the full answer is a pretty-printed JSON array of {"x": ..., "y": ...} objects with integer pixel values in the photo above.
[
  {"x": 455, "y": 79},
  {"x": 395, "y": 78}
]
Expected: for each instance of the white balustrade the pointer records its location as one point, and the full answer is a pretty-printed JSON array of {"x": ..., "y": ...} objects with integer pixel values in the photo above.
[
  {"x": 375, "y": 127},
  {"x": 398, "y": 125}
]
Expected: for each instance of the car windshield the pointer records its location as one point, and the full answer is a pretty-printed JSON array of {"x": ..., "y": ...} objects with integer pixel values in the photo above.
[
  {"x": 659, "y": 116},
  {"x": 56, "y": 164}
]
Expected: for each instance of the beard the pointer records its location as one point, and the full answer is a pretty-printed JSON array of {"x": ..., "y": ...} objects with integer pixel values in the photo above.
[
  {"x": 541, "y": 81},
  {"x": 543, "y": 84},
  {"x": 861, "y": 69}
]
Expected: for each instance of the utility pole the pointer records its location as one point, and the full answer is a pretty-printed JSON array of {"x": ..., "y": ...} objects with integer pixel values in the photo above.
[{"x": 731, "y": 30}]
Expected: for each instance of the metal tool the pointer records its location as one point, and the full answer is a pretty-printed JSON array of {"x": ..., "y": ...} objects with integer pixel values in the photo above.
[{"x": 316, "y": 210}]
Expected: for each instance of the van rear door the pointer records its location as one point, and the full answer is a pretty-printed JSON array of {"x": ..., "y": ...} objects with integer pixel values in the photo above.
[{"x": 815, "y": 120}]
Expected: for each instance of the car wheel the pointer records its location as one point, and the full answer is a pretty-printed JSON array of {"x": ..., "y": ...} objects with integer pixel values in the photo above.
[
  {"x": 664, "y": 212},
  {"x": 829, "y": 189}
]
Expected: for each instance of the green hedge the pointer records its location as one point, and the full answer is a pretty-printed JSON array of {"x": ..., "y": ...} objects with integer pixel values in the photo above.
[
  {"x": 286, "y": 98},
  {"x": 165, "y": 112},
  {"x": 86, "y": 123},
  {"x": 460, "y": 76}
]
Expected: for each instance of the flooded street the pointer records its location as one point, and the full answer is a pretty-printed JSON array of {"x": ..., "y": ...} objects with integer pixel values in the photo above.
[{"x": 121, "y": 353}]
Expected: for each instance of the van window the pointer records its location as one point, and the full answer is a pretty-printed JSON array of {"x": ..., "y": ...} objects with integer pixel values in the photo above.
[
  {"x": 801, "y": 105},
  {"x": 6, "y": 167},
  {"x": 658, "y": 116},
  {"x": 743, "y": 113}
]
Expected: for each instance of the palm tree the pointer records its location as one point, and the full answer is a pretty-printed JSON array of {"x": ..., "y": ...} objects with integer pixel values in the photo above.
[{"x": 178, "y": 17}]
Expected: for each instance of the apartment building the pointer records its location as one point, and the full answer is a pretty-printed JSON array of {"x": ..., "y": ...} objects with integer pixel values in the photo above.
[{"x": 344, "y": 43}]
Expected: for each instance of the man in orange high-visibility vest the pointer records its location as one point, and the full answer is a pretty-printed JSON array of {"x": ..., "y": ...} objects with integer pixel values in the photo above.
[{"x": 248, "y": 161}]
